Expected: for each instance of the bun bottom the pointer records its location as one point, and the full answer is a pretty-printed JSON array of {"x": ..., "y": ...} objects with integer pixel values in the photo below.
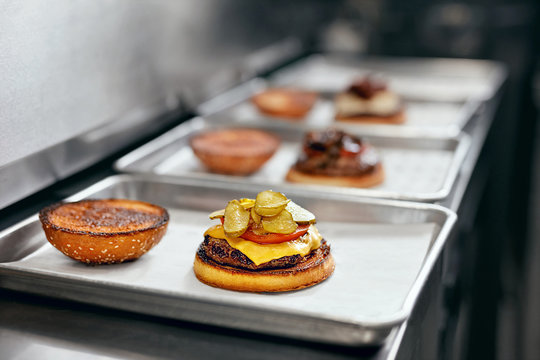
[
  {"x": 314, "y": 270},
  {"x": 286, "y": 115},
  {"x": 362, "y": 181},
  {"x": 397, "y": 118}
]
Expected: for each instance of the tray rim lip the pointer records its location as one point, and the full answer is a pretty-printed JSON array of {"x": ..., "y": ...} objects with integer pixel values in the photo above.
[
  {"x": 125, "y": 164},
  {"x": 498, "y": 69},
  {"x": 396, "y": 317}
]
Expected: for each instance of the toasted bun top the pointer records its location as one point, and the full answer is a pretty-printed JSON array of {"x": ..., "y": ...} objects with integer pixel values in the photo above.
[
  {"x": 104, "y": 217},
  {"x": 235, "y": 142}
]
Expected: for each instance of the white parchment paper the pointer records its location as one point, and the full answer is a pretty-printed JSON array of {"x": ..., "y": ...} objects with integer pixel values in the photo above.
[
  {"x": 376, "y": 265},
  {"x": 407, "y": 170}
]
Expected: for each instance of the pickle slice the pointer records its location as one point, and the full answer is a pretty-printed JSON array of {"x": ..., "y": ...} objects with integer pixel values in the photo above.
[
  {"x": 270, "y": 203},
  {"x": 299, "y": 214},
  {"x": 256, "y": 217},
  {"x": 236, "y": 219},
  {"x": 217, "y": 214},
  {"x": 282, "y": 223},
  {"x": 247, "y": 203}
]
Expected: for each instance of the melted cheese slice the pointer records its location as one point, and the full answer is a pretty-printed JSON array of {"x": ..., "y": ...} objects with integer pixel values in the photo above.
[{"x": 262, "y": 253}]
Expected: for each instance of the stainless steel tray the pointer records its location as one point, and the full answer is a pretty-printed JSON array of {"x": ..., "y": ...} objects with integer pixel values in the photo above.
[
  {"x": 441, "y": 95},
  {"x": 384, "y": 251},
  {"x": 434, "y": 79},
  {"x": 425, "y": 117},
  {"x": 418, "y": 169}
]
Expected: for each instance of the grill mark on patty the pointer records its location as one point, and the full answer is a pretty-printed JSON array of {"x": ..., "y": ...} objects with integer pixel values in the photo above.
[{"x": 222, "y": 253}]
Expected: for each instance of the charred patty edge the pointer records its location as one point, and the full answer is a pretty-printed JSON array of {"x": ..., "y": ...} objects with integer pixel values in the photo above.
[{"x": 220, "y": 252}]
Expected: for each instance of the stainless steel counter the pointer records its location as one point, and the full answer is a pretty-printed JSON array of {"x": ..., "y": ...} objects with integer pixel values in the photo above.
[{"x": 37, "y": 327}]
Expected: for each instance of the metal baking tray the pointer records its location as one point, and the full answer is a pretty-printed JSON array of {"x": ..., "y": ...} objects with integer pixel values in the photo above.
[
  {"x": 425, "y": 117},
  {"x": 383, "y": 249},
  {"x": 441, "y": 95},
  {"x": 435, "y": 79},
  {"x": 417, "y": 169}
]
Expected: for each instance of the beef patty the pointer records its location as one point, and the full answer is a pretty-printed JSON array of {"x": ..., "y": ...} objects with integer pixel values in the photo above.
[
  {"x": 222, "y": 253},
  {"x": 334, "y": 152}
]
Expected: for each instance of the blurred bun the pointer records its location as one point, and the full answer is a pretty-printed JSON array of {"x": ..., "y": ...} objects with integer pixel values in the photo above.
[
  {"x": 288, "y": 103},
  {"x": 234, "y": 151},
  {"x": 362, "y": 181}
]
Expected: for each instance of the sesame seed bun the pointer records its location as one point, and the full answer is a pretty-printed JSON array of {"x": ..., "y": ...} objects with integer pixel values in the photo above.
[
  {"x": 104, "y": 231},
  {"x": 396, "y": 118},
  {"x": 361, "y": 181},
  {"x": 234, "y": 151},
  {"x": 317, "y": 267}
]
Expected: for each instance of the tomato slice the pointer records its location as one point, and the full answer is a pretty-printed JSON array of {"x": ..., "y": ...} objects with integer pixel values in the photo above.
[
  {"x": 350, "y": 147},
  {"x": 273, "y": 238}
]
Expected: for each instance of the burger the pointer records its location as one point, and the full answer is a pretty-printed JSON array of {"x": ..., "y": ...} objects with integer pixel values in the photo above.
[
  {"x": 267, "y": 244},
  {"x": 369, "y": 100},
  {"x": 335, "y": 158}
]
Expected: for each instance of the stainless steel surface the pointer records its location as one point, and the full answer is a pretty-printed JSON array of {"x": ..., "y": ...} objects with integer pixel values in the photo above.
[
  {"x": 27, "y": 175},
  {"x": 74, "y": 69},
  {"x": 421, "y": 78},
  {"x": 37, "y": 328},
  {"x": 420, "y": 169},
  {"x": 369, "y": 239},
  {"x": 424, "y": 116},
  {"x": 43, "y": 328},
  {"x": 441, "y": 95}
]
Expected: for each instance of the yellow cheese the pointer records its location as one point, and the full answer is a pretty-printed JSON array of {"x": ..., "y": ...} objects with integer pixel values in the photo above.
[{"x": 261, "y": 253}]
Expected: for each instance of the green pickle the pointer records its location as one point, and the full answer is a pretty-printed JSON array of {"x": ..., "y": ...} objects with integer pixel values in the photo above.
[
  {"x": 270, "y": 203},
  {"x": 281, "y": 223},
  {"x": 236, "y": 219},
  {"x": 256, "y": 217},
  {"x": 247, "y": 203},
  {"x": 271, "y": 212},
  {"x": 217, "y": 214}
]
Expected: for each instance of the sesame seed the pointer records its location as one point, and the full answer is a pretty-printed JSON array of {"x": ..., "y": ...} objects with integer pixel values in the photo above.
[
  {"x": 68, "y": 245},
  {"x": 116, "y": 247},
  {"x": 104, "y": 251},
  {"x": 80, "y": 248},
  {"x": 92, "y": 249}
]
